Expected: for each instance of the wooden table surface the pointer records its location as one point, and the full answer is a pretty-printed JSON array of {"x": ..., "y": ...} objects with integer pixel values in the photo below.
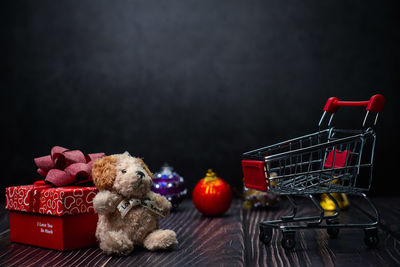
[{"x": 232, "y": 240}]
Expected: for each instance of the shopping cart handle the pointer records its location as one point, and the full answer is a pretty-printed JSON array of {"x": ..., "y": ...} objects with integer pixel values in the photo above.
[{"x": 375, "y": 104}]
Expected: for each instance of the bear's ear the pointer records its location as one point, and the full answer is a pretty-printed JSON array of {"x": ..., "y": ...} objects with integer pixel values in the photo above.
[
  {"x": 145, "y": 167},
  {"x": 104, "y": 173}
]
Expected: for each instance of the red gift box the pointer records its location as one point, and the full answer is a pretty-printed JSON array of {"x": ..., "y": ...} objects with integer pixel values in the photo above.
[{"x": 59, "y": 218}]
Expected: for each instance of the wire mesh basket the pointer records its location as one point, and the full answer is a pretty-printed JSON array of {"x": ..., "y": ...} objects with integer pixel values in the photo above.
[{"x": 324, "y": 162}]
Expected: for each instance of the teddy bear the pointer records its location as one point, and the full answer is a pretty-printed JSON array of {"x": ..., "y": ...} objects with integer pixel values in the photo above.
[{"x": 128, "y": 210}]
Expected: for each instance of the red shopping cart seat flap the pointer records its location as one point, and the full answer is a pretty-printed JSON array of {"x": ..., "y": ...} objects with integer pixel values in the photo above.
[
  {"x": 254, "y": 174},
  {"x": 340, "y": 159}
]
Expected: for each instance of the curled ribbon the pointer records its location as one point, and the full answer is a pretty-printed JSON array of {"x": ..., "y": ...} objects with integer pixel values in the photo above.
[{"x": 64, "y": 167}]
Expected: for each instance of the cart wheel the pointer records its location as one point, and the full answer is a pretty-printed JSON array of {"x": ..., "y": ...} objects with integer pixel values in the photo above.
[
  {"x": 371, "y": 237},
  {"x": 288, "y": 239},
  {"x": 265, "y": 235},
  {"x": 332, "y": 231}
]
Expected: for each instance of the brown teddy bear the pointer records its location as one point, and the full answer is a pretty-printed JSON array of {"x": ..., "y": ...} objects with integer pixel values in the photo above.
[{"x": 128, "y": 210}]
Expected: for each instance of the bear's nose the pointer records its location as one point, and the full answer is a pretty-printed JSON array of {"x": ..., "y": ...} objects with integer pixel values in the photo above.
[{"x": 140, "y": 174}]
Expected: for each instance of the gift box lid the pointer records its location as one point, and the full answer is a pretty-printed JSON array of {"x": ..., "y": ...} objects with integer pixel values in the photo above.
[{"x": 46, "y": 199}]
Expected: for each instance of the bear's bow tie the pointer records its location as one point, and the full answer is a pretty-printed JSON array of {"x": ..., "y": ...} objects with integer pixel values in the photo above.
[{"x": 126, "y": 205}]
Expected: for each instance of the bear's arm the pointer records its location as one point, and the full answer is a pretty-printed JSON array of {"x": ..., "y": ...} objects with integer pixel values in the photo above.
[
  {"x": 160, "y": 202},
  {"x": 106, "y": 202}
]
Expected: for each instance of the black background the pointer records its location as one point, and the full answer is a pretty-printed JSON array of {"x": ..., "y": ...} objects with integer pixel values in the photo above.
[{"x": 191, "y": 83}]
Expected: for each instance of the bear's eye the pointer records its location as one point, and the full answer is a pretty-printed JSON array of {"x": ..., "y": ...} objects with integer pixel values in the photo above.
[
  {"x": 140, "y": 174},
  {"x": 123, "y": 171}
]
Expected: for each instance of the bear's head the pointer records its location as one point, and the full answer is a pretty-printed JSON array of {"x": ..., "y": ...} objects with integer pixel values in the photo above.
[{"x": 123, "y": 174}]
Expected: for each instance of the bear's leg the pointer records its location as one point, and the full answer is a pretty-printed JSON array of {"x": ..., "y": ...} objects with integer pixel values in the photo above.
[
  {"x": 115, "y": 242},
  {"x": 160, "y": 239}
]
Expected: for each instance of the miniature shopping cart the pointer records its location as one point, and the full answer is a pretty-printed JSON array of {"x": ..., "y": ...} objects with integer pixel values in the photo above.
[{"x": 328, "y": 161}]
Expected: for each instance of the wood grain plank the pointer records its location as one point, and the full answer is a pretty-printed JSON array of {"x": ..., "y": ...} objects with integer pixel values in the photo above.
[
  {"x": 202, "y": 241},
  {"x": 233, "y": 240},
  {"x": 314, "y": 246},
  {"x": 389, "y": 210}
]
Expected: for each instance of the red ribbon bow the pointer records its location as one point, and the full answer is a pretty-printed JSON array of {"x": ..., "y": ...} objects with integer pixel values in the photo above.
[{"x": 64, "y": 167}]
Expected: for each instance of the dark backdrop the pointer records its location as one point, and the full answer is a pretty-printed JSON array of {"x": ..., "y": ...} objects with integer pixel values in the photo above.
[{"x": 191, "y": 83}]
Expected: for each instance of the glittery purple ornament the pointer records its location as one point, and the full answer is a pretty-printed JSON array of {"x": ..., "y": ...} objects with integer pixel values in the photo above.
[{"x": 169, "y": 184}]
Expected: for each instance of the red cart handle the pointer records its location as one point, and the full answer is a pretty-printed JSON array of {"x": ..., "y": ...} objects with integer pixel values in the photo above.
[{"x": 375, "y": 104}]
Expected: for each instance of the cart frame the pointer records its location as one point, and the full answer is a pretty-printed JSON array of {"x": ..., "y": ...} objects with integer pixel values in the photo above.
[{"x": 327, "y": 161}]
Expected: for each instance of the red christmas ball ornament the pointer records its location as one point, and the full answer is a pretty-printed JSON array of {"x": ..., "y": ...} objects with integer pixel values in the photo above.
[{"x": 212, "y": 196}]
